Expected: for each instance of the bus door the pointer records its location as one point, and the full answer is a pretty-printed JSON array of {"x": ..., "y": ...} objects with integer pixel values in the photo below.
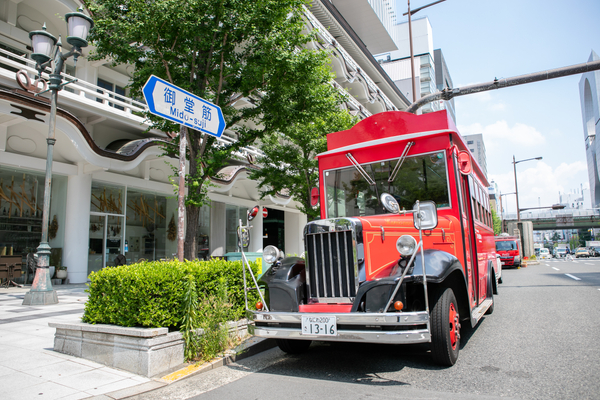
[{"x": 469, "y": 242}]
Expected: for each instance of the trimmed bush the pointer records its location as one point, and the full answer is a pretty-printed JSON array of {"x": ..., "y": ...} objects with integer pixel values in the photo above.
[{"x": 153, "y": 294}]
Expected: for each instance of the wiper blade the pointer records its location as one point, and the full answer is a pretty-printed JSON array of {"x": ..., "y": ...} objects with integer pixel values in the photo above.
[
  {"x": 400, "y": 161},
  {"x": 360, "y": 169}
]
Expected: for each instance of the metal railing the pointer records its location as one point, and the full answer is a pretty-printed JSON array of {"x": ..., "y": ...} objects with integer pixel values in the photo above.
[
  {"x": 551, "y": 214},
  {"x": 328, "y": 38},
  {"x": 92, "y": 92},
  {"x": 79, "y": 87}
]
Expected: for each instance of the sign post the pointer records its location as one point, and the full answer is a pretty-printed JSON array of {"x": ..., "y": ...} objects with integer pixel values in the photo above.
[{"x": 175, "y": 104}]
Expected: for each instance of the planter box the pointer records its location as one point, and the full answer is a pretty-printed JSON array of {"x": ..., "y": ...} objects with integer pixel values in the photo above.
[{"x": 143, "y": 351}]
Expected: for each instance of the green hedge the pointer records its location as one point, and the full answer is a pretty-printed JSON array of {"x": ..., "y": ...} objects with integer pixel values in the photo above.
[{"x": 152, "y": 294}]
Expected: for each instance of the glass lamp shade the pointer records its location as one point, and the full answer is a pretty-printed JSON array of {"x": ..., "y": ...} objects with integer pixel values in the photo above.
[
  {"x": 43, "y": 45},
  {"x": 78, "y": 28}
]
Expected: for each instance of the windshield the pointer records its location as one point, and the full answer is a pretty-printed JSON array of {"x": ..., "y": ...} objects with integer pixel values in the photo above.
[
  {"x": 422, "y": 177},
  {"x": 506, "y": 245}
]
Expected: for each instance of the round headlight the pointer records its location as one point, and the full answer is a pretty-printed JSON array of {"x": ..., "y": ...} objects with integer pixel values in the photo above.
[
  {"x": 406, "y": 245},
  {"x": 270, "y": 254}
]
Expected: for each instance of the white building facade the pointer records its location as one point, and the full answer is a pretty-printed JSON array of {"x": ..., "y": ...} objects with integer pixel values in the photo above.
[
  {"x": 111, "y": 191},
  {"x": 477, "y": 148},
  {"x": 431, "y": 71}
]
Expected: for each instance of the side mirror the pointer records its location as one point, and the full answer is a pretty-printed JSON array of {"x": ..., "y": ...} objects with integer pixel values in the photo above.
[
  {"x": 425, "y": 215},
  {"x": 314, "y": 196},
  {"x": 253, "y": 212},
  {"x": 389, "y": 203}
]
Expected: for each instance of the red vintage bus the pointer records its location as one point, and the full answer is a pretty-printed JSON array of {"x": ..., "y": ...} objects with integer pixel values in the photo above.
[{"x": 400, "y": 194}]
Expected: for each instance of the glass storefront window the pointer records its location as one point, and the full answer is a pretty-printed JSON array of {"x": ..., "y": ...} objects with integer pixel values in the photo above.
[
  {"x": 149, "y": 217},
  {"x": 21, "y": 203},
  {"x": 204, "y": 233},
  {"x": 106, "y": 225},
  {"x": 107, "y": 199}
]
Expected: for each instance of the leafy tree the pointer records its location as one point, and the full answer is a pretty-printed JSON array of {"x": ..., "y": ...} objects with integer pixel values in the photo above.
[
  {"x": 289, "y": 163},
  {"x": 555, "y": 237},
  {"x": 584, "y": 235},
  {"x": 224, "y": 51},
  {"x": 497, "y": 223},
  {"x": 574, "y": 242}
]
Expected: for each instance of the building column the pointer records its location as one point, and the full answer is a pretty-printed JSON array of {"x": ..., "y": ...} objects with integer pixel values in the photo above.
[
  {"x": 217, "y": 229},
  {"x": 77, "y": 227},
  {"x": 294, "y": 233},
  {"x": 256, "y": 233}
]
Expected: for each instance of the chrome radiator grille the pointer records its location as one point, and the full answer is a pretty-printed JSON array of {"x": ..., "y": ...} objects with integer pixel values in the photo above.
[{"x": 331, "y": 262}]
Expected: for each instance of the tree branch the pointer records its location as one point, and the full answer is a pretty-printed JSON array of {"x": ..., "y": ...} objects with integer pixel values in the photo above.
[{"x": 221, "y": 69}]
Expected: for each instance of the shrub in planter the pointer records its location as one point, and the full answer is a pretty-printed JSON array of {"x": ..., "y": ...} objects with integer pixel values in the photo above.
[
  {"x": 150, "y": 294},
  {"x": 168, "y": 294}
]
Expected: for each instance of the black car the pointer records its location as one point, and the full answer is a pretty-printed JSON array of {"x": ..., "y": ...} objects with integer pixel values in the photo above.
[{"x": 593, "y": 252}]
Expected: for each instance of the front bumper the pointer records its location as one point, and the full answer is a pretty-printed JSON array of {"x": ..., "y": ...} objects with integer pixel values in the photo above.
[
  {"x": 510, "y": 260},
  {"x": 389, "y": 328}
]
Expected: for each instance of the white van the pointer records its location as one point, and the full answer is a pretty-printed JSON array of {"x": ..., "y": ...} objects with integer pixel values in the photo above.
[{"x": 545, "y": 254}]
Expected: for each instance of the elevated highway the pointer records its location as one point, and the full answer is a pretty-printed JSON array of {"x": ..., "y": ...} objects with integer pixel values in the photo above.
[{"x": 558, "y": 219}]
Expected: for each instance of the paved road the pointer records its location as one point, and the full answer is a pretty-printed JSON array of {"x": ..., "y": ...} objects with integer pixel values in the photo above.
[{"x": 541, "y": 342}]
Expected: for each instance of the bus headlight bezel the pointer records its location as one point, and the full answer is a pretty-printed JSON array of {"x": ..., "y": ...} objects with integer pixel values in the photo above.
[
  {"x": 271, "y": 254},
  {"x": 406, "y": 245}
]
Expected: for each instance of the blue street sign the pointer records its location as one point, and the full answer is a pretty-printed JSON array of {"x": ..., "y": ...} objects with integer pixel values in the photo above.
[{"x": 177, "y": 105}]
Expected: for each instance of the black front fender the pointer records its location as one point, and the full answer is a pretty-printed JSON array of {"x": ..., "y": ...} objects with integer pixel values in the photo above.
[
  {"x": 438, "y": 264},
  {"x": 285, "y": 284}
]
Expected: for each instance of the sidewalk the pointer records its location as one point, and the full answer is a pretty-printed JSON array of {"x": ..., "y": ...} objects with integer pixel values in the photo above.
[{"x": 30, "y": 369}]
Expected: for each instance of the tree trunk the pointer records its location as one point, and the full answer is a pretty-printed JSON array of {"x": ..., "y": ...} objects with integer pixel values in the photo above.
[{"x": 191, "y": 233}]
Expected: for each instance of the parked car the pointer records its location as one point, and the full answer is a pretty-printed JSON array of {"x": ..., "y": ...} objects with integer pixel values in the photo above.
[
  {"x": 545, "y": 254},
  {"x": 581, "y": 252}
]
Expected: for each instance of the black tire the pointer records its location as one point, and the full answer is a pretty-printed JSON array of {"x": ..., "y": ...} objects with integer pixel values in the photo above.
[
  {"x": 491, "y": 295},
  {"x": 495, "y": 284},
  {"x": 292, "y": 346},
  {"x": 445, "y": 329}
]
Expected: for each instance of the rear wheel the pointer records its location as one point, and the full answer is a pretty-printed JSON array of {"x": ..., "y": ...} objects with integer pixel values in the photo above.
[
  {"x": 445, "y": 329},
  {"x": 291, "y": 346}
]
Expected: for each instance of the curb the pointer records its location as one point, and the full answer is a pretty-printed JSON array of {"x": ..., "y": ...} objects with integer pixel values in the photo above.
[{"x": 247, "y": 348}]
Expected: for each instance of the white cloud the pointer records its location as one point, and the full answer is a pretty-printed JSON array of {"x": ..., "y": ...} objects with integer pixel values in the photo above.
[
  {"x": 500, "y": 134},
  {"x": 539, "y": 184}
]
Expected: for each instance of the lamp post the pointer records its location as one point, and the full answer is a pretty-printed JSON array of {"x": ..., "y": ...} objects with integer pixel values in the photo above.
[
  {"x": 44, "y": 45},
  {"x": 412, "y": 56},
  {"x": 516, "y": 189}
]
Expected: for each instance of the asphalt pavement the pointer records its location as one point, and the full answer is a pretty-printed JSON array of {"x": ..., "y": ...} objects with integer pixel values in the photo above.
[{"x": 541, "y": 342}]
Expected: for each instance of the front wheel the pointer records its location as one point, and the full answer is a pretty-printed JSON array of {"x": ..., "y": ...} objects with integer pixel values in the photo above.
[
  {"x": 445, "y": 329},
  {"x": 292, "y": 346}
]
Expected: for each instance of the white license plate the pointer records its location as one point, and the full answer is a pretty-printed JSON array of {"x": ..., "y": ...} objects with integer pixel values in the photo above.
[{"x": 319, "y": 325}]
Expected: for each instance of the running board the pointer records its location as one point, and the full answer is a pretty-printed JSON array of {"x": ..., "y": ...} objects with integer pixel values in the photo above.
[{"x": 480, "y": 310}]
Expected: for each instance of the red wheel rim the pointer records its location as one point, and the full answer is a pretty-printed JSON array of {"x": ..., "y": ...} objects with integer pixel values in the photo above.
[{"x": 454, "y": 326}]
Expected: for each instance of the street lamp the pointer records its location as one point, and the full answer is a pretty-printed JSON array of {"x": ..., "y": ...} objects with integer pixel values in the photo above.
[
  {"x": 516, "y": 189},
  {"x": 412, "y": 57},
  {"x": 45, "y": 46}
]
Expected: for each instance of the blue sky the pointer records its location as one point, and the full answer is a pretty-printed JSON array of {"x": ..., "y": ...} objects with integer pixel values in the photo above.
[{"x": 484, "y": 39}]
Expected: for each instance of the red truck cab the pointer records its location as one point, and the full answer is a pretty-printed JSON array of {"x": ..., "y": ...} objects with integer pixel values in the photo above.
[{"x": 509, "y": 249}]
